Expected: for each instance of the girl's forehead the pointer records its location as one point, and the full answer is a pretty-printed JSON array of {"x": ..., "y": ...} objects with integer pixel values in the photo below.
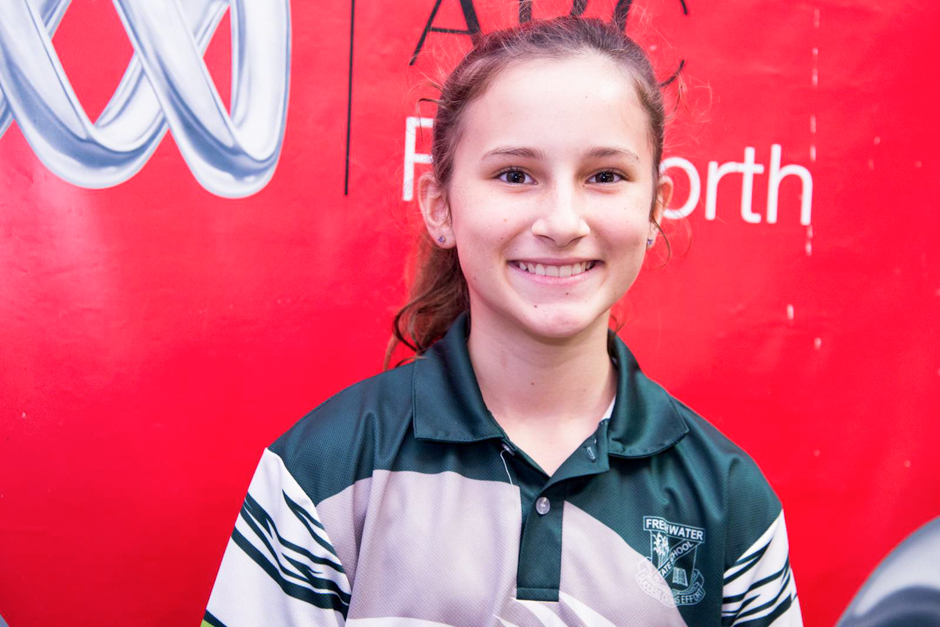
[
  {"x": 557, "y": 103},
  {"x": 582, "y": 67}
]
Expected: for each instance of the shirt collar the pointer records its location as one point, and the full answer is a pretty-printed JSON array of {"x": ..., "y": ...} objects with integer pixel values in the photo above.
[
  {"x": 448, "y": 405},
  {"x": 645, "y": 420}
]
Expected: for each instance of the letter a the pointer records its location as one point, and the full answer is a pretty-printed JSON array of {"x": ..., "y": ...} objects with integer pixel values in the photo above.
[{"x": 469, "y": 16}]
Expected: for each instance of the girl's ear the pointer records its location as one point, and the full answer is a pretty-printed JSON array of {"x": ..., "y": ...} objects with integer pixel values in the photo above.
[
  {"x": 435, "y": 211},
  {"x": 664, "y": 191}
]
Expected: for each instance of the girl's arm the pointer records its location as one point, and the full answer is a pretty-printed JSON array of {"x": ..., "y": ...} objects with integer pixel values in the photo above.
[
  {"x": 279, "y": 567},
  {"x": 758, "y": 587}
]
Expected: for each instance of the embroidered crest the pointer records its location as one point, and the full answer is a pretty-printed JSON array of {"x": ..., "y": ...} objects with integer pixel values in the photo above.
[{"x": 674, "y": 580}]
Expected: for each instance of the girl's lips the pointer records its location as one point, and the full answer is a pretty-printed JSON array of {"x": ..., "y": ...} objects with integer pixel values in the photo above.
[{"x": 554, "y": 273}]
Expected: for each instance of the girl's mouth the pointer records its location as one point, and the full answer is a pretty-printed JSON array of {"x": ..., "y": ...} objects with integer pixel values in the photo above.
[{"x": 552, "y": 270}]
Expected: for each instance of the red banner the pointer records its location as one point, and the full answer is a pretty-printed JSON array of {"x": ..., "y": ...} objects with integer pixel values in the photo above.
[{"x": 178, "y": 289}]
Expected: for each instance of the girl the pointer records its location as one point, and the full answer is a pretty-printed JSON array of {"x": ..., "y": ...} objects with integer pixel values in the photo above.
[{"x": 522, "y": 470}]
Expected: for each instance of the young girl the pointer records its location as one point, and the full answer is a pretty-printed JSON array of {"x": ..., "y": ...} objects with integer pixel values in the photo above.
[{"x": 521, "y": 470}]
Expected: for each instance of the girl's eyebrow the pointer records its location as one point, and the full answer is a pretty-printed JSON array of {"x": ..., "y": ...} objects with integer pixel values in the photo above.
[
  {"x": 534, "y": 153},
  {"x": 603, "y": 151},
  {"x": 512, "y": 151}
]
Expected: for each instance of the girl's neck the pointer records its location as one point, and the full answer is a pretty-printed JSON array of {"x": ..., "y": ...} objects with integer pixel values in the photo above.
[{"x": 527, "y": 380}]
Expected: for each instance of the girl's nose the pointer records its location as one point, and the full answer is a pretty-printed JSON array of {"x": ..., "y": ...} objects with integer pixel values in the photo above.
[{"x": 561, "y": 216}]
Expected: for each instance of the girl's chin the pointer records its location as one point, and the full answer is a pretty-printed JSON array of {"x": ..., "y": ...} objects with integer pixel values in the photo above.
[{"x": 559, "y": 324}]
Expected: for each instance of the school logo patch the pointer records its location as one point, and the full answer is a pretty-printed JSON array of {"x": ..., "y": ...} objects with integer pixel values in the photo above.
[{"x": 670, "y": 574}]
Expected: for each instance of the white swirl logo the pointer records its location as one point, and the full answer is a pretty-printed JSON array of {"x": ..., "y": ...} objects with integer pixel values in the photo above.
[{"x": 165, "y": 85}]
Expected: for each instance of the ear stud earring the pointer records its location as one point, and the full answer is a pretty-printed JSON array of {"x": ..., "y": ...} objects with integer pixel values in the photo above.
[
  {"x": 441, "y": 239},
  {"x": 649, "y": 242}
]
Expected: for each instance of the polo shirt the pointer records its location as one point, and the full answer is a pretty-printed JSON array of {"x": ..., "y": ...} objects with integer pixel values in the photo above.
[{"x": 401, "y": 501}]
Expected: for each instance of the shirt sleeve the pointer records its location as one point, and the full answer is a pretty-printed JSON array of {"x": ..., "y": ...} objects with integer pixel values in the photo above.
[
  {"x": 279, "y": 567},
  {"x": 759, "y": 588}
]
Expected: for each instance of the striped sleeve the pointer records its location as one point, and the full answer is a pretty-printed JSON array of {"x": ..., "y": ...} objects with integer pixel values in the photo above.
[
  {"x": 279, "y": 567},
  {"x": 758, "y": 587}
]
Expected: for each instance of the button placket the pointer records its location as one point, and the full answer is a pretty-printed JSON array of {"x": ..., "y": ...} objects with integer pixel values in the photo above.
[{"x": 539, "y": 568}]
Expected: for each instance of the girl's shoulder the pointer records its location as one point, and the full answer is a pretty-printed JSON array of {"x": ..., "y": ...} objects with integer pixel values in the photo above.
[
  {"x": 335, "y": 444},
  {"x": 719, "y": 457},
  {"x": 726, "y": 479}
]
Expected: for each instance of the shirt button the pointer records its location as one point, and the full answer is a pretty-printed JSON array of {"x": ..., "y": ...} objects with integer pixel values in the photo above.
[
  {"x": 590, "y": 454},
  {"x": 542, "y": 506}
]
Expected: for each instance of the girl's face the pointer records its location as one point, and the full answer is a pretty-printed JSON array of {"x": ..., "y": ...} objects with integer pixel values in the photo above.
[{"x": 549, "y": 201}]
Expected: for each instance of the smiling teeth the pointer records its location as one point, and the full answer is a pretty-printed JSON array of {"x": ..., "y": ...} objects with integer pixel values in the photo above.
[{"x": 555, "y": 271}]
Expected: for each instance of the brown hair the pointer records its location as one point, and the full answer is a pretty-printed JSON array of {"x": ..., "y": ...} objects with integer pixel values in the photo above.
[{"x": 439, "y": 293}]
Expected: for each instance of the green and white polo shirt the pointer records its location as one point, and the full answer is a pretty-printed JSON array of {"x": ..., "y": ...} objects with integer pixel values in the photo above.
[{"x": 400, "y": 501}]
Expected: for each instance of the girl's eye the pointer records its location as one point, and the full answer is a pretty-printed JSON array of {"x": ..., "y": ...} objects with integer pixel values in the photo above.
[
  {"x": 607, "y": 176},
  {"x": 516, "y": 177}
]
